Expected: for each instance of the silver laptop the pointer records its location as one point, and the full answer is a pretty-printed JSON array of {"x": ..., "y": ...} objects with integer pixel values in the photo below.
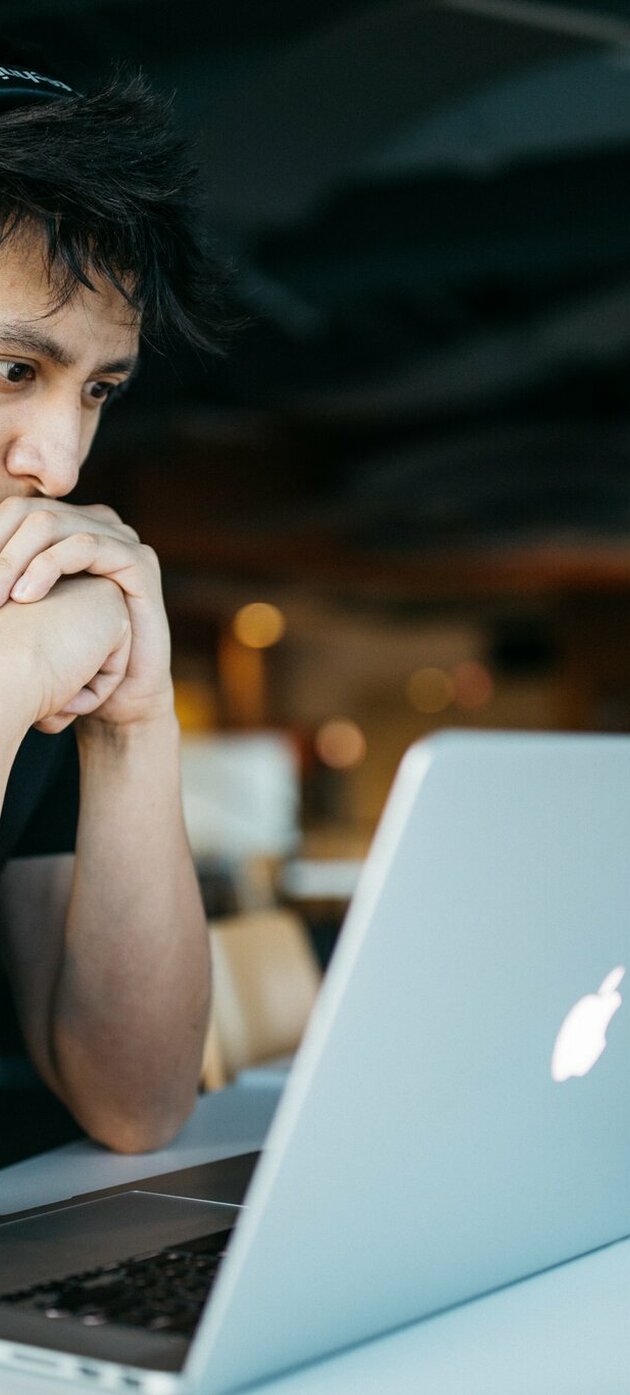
[{"x": 456, "y": 1118}]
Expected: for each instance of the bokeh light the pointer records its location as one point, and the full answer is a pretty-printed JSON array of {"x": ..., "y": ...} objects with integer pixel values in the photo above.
[
  {"x": 430, "y": 690},
  {"x": 195, "y": 704},
  {"x": 259, "y": 625},
  {"x": 340, "y": 743},
  {"x": 473, "y": 684}
]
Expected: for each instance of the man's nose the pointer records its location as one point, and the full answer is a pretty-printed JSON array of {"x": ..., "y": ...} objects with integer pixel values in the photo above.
[{"x": 47, "y": 452}]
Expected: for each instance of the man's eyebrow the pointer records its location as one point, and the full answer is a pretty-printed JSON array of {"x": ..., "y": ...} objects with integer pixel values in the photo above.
[
  {"x": 119, "y": 365},
  {"x": 23, "y": 340},
  {"x": 16, "y": 336}
]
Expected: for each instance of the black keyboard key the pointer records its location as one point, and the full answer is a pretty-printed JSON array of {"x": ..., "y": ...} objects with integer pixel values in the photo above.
[{"x": 161, "y": 1291}]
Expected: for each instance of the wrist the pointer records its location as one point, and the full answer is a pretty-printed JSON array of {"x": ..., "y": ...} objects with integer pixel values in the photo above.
[
  {"x": 158, "y": 729},
  {"x": 19, "y": 701},
  {"x": 121, "y": 718},
  {"x": 136, "y": 764}
]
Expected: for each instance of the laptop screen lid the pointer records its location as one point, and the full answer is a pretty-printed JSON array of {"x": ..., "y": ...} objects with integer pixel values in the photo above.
[{"x": 422, "y": 1153}]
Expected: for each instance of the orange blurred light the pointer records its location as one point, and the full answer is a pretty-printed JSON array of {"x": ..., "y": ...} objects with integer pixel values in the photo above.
[
  {"x": 473, "y": 684},
  {"x": 340, "y": 743},
  {"x": 195, "y": 704},
  {"x": 430, "y": 690},
  {"x": 259, "y": 625}
]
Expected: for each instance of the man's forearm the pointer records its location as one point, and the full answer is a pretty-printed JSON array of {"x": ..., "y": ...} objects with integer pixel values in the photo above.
[{"x": 129, "y": 1009}]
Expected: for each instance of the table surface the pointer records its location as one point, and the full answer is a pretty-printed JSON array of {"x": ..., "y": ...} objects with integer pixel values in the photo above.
[
  {"x": 234, "y": 1120},
  {"x": 565, "y": 1332}
]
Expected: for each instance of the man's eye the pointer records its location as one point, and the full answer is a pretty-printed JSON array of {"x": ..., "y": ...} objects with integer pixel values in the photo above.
[
  {"x": 100, "y": 392},
  {"x": 12, "y": 372}
]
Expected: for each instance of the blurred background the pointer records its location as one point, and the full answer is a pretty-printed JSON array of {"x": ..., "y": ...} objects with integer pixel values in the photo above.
[{"x": 402, "y": 501}]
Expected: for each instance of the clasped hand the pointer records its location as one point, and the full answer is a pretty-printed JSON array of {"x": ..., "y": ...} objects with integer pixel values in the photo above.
[{"x": 120, "y": 632}]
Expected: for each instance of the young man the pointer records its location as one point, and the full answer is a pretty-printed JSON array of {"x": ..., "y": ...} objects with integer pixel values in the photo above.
[{"x": 102, "y": 929}]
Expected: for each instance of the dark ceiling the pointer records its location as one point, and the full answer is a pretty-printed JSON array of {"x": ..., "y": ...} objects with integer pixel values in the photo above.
[{"x": 428, "y": 206}]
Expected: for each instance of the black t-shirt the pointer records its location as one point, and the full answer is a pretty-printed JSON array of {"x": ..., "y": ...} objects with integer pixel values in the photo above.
[
  {"x": 41, "y": 804},
  {"x": 39, "y": 817}
]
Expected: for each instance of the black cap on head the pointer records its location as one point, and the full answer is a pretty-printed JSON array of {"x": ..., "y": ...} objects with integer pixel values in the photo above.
[{"x": 19, "y": 86}]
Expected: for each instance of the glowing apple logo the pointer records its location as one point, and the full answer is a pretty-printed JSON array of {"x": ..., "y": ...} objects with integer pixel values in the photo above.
[{"x": 582, "y": 1036}]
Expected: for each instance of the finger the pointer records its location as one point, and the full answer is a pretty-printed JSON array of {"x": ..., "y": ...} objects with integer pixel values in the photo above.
[
  {"x": 102, "y": 685},
  {"x": 33, "y": 534},
  {"x": 112, "y": 520},
  {"x": 95, "y": 693},
  {"x": 98, "y": 553},
  {"x": 13, "y": 511},
  {"x": 53, "y": 725},
  {"x": 41, "y": 528},
  {"x": 89, "y": 698},
  {"x": 16, "y": 508},
  {"x": 103, "y": 511}
]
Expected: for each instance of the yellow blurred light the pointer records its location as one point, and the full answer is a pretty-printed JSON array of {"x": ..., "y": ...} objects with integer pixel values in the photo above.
[
  {"x": 340, "y": 743},
  {"x": 473, "y": 684},
  {"x": 430, "y": 690},
  {"x": 259, "y": 625},
  {"x": 195, "y": 704}
]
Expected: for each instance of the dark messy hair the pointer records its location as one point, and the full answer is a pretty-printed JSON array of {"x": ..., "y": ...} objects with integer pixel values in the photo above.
[{"x": 111, "y": 185}]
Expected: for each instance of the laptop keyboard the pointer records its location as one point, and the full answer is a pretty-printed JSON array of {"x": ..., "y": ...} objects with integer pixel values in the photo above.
[{"x": 163, "y": 1291}]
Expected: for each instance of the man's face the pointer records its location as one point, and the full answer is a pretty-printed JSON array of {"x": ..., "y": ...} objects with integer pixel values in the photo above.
[{"x": 56, "y": 370}]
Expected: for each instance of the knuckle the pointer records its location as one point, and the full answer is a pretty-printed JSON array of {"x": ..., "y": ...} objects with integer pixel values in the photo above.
[
  {"x": 116, "y": 595},
  {"x": 12, "y": 507},
  {"x": 150, "y": 556},
  {"x": 104, "y": 512},
  {"x": 42, "y": 523},
  {"x": 40, "y": 566}
]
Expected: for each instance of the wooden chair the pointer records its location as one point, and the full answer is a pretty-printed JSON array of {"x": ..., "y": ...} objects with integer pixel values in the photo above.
[{"x": 265, "y": 981}]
